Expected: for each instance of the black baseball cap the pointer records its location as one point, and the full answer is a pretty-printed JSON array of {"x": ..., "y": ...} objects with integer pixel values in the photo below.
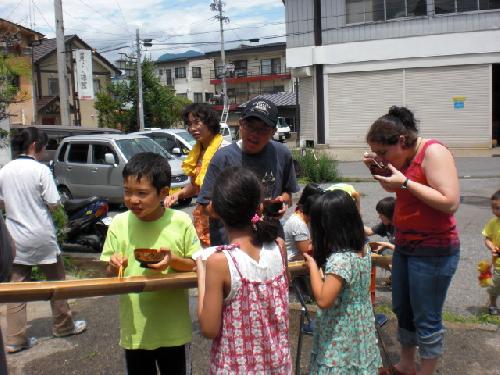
[{"x": 263, "y": 109}]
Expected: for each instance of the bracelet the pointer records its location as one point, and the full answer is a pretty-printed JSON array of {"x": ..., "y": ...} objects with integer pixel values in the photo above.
[{"x": 404, "y": 185}]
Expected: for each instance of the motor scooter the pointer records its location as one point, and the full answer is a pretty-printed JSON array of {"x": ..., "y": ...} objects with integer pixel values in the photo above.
[{"x": 87, "y": 222}]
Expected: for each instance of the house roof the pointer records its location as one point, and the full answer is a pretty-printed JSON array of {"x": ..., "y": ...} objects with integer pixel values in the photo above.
[
  {"x": 243, "y": 48},
  {"x": 281, "y": 99},
  {"x": 22, "y": 27},
  {"x": 44, "y": 101},
  {"x": 48, "y": 46}
]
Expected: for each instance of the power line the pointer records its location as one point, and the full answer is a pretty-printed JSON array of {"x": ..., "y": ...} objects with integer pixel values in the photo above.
[
  {"x": 99, "y": 13},
  {"x": 13, "y": 10},
  {"x": 41, "y": 14}
]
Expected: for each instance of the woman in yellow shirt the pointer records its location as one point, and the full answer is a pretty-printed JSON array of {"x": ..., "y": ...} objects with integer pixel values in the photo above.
[{"x": 202, "y": 123}]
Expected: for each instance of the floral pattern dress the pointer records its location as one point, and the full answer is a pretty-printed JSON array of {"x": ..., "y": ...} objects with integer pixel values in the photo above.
[{"x": 345, "y": 341}]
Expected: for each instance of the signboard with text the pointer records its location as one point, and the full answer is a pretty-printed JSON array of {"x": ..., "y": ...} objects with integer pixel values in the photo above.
[{"x": 83, "y": 74}]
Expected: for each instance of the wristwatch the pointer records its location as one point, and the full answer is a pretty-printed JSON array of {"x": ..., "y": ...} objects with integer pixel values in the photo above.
[{"x": 404, "y": 185}]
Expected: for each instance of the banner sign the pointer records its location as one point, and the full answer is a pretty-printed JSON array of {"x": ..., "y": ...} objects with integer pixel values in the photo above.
[{"x": 83, "y": 74}]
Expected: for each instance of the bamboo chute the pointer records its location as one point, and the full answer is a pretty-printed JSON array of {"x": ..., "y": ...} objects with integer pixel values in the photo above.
[{"x": 47, "y": 290}]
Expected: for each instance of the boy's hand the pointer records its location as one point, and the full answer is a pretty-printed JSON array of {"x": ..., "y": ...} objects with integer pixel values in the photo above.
[
  {"x": 170, "y": 200},
  {"x": 164, "y": 263},
  {"x": 118, "y": 260}
]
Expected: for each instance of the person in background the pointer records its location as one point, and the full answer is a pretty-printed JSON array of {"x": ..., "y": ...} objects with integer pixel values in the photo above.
[
  {"x": 202, "y": 123},
  {"x": 243, "y": 294},
  {"x": 297, "y": 237},
  {"x": 383, "y": 249},
  {"x": 348, "y": 188},
  {"x": 271, "y": 161},
  {"x": 491, "y": 233},
  {"x": 424, "y": 177},
  {"x": 155, "y": 327},
  {"x": 29, "y": 194},
  {"x": 345, "y": 340},
  {"x": 7, "y": 255}
]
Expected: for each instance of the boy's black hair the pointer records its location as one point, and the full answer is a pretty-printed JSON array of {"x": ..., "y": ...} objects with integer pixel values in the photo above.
[
  {"x": 236, "y": 197},
  {"x": 496, "y": 196},
  {"x": 21, "y": 142},
  {"x": 309, "y": 190},
  {"x": 336, "y": 225},
  {"x": 386, "y": 207},
  {"x": 153, "y": 166}
]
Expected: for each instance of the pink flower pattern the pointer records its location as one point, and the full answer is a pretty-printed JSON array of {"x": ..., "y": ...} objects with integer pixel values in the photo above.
[{"x": 254, "y": 333}]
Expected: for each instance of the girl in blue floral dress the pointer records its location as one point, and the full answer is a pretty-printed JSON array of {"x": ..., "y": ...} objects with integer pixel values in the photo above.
[{"x": 345, "y": 341}]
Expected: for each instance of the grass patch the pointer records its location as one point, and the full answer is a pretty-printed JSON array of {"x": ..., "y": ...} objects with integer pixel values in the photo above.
[
  {"x": 315, "y": 166},
  {"x": 70, "y": 268},
  {"x": 449, "y": 316}
]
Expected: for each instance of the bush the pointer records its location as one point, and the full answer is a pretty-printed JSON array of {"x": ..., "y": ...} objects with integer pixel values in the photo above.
[{"x": 315, "y": 167}]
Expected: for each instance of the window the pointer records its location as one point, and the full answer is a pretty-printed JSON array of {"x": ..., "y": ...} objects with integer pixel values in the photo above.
[
  {"x": 168, "y": 74},
  {"x": 165, "y": 140},
  {"x": 53, "y": 86},
  {"x": 454, "y": 6},
  {"x": 97, "y": 85},
  {"x": 196, "y": 72},
  {"x": 62, "y": 152},
  {"x": 98, "y": 152},
  {"x": 279, "y": 89},
  {"x": 381, "y": 10},
  {"x": 184, "y": 94},
  {"x": 276, "y": 66},
  {"x": 180, "y": 72},
  {"x": 265, "y": 66},
  {"x": 78, "y": 153},
  {"x": 209, "y": 96},
  {"x": 198, "y": 97},
  {"x": 240, "y": 68},
  {"x": 160, "y": 72}
]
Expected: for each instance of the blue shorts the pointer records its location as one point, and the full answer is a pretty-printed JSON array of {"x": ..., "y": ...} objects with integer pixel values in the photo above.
[{"x": 419, "y": 287}]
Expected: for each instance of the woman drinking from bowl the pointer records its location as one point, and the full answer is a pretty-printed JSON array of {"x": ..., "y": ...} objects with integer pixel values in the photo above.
[
  {"x": 202, "y": 123},
  {"x": 423, "y": 175}
]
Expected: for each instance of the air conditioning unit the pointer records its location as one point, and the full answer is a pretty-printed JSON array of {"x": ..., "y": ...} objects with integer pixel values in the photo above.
[{"x": 302, "y": 72}]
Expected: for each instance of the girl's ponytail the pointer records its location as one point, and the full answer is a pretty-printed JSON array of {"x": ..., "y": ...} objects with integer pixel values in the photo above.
[
  {"x": 266, "y": 229},
  {"x": 21, "y": 142}
]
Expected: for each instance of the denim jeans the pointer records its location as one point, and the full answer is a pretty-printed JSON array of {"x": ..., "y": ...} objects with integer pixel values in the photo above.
[{"x": 419, "y": 286}]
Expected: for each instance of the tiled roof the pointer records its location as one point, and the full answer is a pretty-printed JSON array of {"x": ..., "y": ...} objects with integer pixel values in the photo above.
[
  {"x": 281, "y": 99},
  {"x": 47, "y": 46},
  {"x": 22, "y": 27}
]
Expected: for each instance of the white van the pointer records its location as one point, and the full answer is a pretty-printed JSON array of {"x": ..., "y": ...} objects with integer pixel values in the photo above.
[{"x": 225, "y": 132}]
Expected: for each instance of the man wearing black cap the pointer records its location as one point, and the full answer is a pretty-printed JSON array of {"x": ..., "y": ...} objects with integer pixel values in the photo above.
[{"x": 269, "y": 160}]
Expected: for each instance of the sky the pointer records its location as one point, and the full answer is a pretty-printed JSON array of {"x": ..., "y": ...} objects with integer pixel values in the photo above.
[{"x": 174, "y": 25}]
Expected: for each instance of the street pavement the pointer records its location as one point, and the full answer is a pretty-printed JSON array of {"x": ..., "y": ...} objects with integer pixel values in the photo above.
[{"x": 471, "y": 349}]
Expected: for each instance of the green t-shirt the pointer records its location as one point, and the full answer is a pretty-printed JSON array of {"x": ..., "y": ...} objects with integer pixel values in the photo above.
[{"x": 150, "y": 320}]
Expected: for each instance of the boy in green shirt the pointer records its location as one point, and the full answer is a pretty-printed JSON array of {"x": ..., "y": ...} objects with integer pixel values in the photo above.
[{"x": 155, "y": 326}]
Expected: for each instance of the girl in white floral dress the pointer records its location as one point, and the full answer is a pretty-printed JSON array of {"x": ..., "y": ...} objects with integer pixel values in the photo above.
[
  {"x": 344, "y": 337},
  {"x": 243, "y": 297}
]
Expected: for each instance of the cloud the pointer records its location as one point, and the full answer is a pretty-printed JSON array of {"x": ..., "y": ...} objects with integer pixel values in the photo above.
[{"x": 107, "y": 24}]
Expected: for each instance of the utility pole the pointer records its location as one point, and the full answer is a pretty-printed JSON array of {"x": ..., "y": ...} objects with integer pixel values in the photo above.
[
  {"x": 140, "y": 109},
  {"x": 62, "y": 70},
  {"x": 218, "y": 6}
]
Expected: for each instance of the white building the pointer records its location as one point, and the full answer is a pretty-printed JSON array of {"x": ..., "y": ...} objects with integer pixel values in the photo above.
[
  {"x": 188, "y": 73},
  {"x": 356, "y": 58}
]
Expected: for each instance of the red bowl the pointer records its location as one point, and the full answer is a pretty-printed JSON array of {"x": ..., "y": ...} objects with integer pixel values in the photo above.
[{"x": 150, "y": 256}]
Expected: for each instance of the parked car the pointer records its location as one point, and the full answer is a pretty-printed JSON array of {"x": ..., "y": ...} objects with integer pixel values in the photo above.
[
  {"x": 86, "y": 165},
  {"x": 282, "y": 130},
  {"x": 177, "y": 142}
]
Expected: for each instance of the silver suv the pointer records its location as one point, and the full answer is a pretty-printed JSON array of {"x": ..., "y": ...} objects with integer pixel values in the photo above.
[{"x": 86, "y": 165}]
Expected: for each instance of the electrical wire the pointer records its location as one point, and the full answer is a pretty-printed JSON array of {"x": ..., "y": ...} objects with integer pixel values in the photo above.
[
  {"x": 41, "y": 14},
  {"x": 13, "y": 10}
]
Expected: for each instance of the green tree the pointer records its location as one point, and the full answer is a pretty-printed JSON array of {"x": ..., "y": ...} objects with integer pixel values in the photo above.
[
  {"x": 118, "y": 106},
  {"x": 7, "y": 90}
]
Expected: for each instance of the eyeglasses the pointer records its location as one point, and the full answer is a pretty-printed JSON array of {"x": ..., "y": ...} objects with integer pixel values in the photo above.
[
  {"x": 262, "y": 130},
  {"x": 193, "y": 124}
]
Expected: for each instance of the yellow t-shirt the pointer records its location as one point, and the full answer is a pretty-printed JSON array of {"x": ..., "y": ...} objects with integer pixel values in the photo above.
[
  {"x": 150, "y": 320},
  {"x": 492, "y": 230},
  {"x": 342, "y": 186}
]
